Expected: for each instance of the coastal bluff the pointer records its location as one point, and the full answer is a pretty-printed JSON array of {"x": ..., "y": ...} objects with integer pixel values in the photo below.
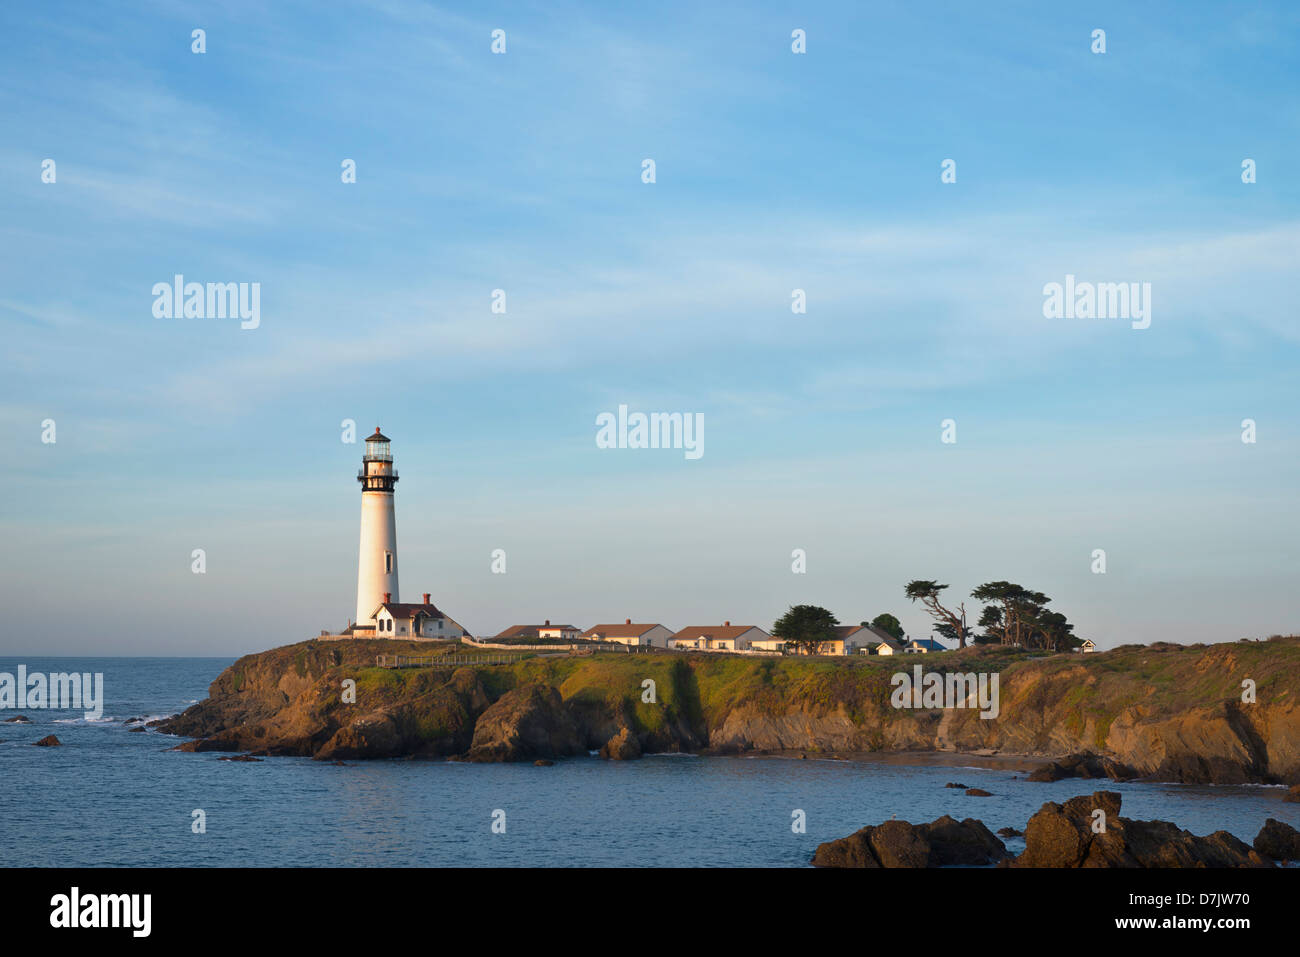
[{"x": 1163, "y": 711}]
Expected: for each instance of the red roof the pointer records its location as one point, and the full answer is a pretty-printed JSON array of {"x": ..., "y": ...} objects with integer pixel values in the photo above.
[
  {"x": 621, "y": 630},
  {"x": 532, "y": 631},
  {"x": 714, "y": 631},
  {"x": 404, "y": 611}
]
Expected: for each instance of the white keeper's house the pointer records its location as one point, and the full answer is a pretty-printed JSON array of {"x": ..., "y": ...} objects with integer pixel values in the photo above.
[
  {"x": 401, "y": 620},
  {"x": 630, "y": 633},
  {"x": 724, "y": 637}
]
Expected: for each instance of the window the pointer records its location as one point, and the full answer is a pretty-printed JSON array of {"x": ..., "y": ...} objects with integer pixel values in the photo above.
[{"x": 388, "y": 563}]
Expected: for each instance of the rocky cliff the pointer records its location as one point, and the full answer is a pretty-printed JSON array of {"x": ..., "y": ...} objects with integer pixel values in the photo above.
[{"x": 1163, "y": 711}]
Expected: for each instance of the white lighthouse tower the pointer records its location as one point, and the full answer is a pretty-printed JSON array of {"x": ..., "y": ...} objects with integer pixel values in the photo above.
[{"x": 377, "y": 565}]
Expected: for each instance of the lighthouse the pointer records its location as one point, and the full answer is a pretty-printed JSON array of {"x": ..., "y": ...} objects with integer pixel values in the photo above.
[{"x": 377, "y": 564}]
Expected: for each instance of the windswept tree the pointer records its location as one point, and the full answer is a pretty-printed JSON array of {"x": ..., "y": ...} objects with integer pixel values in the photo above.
[
  {"x": 1015, "y": 608},
  {"x": 948, "y": 622},
  {"x": 1052, "y": 629},
  {"x": 949, "y": 632},
  {"x": 805, "y": 628},
  {"x": 991, "y": 622},
  {"x": 888, "y": 624},
  {"x": 1016, "y": 615}
]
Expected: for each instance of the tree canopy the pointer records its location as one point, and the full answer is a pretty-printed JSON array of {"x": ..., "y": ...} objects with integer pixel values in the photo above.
[
  {"x": 1017, "y": 615},
  {"x": 888, "y": 624},
  {"x": 805, "y": 627}
]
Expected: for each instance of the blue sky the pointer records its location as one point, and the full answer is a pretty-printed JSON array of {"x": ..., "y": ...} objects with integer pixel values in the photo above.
[{"x": 522, "y": 172}]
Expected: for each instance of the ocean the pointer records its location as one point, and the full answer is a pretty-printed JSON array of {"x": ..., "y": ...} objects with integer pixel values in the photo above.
[{"x": 109, "y": 797}]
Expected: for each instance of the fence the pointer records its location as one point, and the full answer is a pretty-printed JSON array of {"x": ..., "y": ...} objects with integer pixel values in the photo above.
[
  {"x": 607, "y": 647},
  {"x": 557, "y": 646},
  {"x": 442, "y": 661}
]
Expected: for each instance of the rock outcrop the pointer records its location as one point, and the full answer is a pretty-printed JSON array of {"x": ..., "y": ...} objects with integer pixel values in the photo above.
[
  {"x": 373, "y": 735},
  {"x": 1278, "y": 841},
  {"x": 49, "y": 741},
  {"x": 1086, "y": 765},
  {"x": 1087, "y": 831},
  {"x": 941, "y": 843},
  {"x": 624, "y": 746},
  {"x": 523, "y": 725}
]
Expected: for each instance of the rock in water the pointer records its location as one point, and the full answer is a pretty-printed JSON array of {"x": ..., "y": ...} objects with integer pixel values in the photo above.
[
  {"x": 899, "y": 844},
  {"x": 1074, "y": 834},
  {"x": 1059, "y": 835},
  {"x": 965, "y": 843},
  {"x": 978, "y": 793},
  {"x": 1293, "y": 794},
  {"x": 852, "y": 851},
  {"x": 941, "y": 843},
  {"x": 624, "y": 746},
  {"x": 952, "y": 784},
  {"x": 523, "y": 725},
  {"x": 1085, "y": 765},
  {"x": 1279, "y": 841},
  {"x": 373, "y": 735},
  {"x": 49, "y": 741},
  {"x": 18, "y": 719}
]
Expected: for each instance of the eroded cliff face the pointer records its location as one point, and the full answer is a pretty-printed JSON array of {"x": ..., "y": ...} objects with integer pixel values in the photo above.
[
  {"x": 1168, "y": 712},
  {"x": 293, "y": 701}
]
